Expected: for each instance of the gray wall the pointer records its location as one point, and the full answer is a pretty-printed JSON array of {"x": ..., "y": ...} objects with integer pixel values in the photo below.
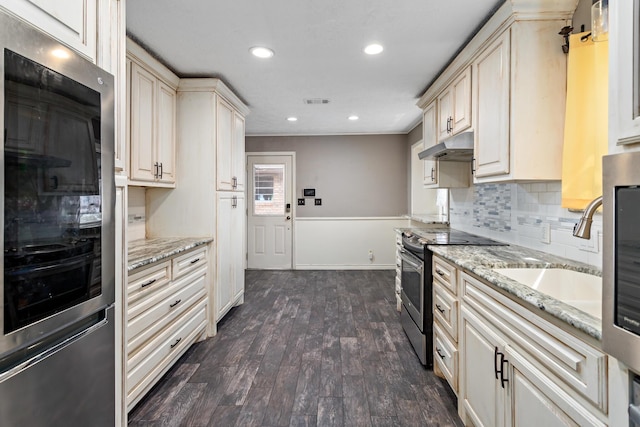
[{"x": 354, "y": 175}]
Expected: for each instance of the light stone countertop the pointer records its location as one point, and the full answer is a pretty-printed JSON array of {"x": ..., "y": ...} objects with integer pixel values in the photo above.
[
  {"x": 480, "y": 260},
  {"x": 147, "y": 251}
]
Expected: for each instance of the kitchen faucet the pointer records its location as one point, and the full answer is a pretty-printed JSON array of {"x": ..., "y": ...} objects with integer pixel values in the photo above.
[{"x": 583, "y": 228}]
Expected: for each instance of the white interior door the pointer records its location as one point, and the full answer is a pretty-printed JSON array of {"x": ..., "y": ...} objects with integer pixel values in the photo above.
[{"x": 270, "y": 211}]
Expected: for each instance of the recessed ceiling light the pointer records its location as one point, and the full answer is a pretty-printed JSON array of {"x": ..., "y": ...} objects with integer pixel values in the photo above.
[
  {"x": 292, "y": 119},
  {"x": 373, "y": 49},
  {"x": 261, "y": 52},
  {"x": 353, "y": 118}
]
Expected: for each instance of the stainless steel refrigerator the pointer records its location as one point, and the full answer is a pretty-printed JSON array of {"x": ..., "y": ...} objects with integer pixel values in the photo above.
[{"x": 56, "y": 315}]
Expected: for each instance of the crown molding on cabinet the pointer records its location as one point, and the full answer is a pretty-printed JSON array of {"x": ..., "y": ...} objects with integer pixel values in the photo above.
[
  {"x": 213, "y": 85},
  {"x": 510, "y": 12}
]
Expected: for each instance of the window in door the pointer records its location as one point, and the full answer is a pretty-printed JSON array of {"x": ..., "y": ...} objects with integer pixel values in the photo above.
[{"x": 268, "y": 190}]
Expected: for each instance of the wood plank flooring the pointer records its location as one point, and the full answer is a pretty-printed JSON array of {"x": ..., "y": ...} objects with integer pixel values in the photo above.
[{"x": 307, "y": 348}]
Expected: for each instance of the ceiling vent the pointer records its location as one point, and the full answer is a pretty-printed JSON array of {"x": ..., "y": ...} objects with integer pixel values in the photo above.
[{"x": 315, "y": 101}]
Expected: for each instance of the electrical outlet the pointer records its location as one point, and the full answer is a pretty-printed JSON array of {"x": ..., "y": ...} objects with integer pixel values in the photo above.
[
  {"x": 370, "y": 255},
  {"x": 546, "y": 233}
]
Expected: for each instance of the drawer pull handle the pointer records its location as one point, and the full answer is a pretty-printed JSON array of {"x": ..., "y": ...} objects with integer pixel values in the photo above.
[
  {"x": 440, "y": 309},
  {"x": 176, "y": 343},
  {"x": 195, "y": 260},
  {"x": 442, "y": 356},
  {"x": 175, "y": 303},
  {"x": 144, "y": 285},
  {"x": 440, "y": 272}
]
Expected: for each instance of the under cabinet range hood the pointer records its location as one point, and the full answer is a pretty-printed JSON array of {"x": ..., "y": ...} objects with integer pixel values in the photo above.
[{"x": 458, "y": 148}]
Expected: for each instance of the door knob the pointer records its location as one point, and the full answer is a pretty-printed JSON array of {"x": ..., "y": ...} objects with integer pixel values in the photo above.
[{"x": 288, "y": 217}]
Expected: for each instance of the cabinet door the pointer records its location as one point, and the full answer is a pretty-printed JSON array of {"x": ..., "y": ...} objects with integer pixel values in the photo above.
[
  {"x": 430, "y": 138},
  {"x": 74, "y": 22},
  {"x": 461, "y": 111},
  {"x": 535, "y": 400},
  {"x": 445, "y": 113},
  {"x": 239, "y": 170},
  {"x": 224, "y": 144},
  {"x": 142, "y": 122},
  {"x": 166, "y": 137},
  {"x": 225, "y": 257},
  {"x": 492, "y": 80},
  {"x": 481, "y": 392},
  {"x": 238, "y": 226}
]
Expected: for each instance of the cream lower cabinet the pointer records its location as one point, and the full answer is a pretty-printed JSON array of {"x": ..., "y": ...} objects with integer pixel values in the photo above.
[
  {"x": 517, "y": 369},
  {"x": 166, "y": 313},
  {"x": 230, "y": 257},
  {"x": 445, "y": 321}
]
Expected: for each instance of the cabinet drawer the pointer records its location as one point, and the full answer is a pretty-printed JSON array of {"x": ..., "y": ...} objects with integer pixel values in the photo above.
[
  {"x": 145, "y": 282},
  {"x": 446, "y": 274},
  {"x": 445, "y": 310},
  {"x": 578, "y": 366},
  {"x": 183, "y": 294},
  {"x": 156, "y": 357},
  {"x": 445, "y": 354},
  {"x": 186, "y": 263}
]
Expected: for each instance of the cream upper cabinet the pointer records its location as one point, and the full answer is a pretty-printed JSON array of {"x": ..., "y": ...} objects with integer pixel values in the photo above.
[
  {"x": 73, "y": 22},
  {"x": 454, "y": 106},
  {"x": 230, "y": 143},
  {"x": 430, "y": 138},
  {"x": 519, "y": 94},
  {"x": 509, "y": 85},
  {"x": 624, "y": 68},
  {"x": 237, "y": 153},
  {"x": 492, "y": 76},
  {"x": 438, "y": 174},
  {"x": 152, "y": 121}
]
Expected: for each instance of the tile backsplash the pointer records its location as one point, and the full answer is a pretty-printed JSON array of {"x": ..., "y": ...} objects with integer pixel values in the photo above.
[
  {"x": 136, "y": 214},
  {"x": 522, "y": 214}
]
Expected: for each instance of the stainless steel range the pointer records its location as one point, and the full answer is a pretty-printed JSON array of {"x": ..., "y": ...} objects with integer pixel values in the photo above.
[{"x": 416, "y": 315}]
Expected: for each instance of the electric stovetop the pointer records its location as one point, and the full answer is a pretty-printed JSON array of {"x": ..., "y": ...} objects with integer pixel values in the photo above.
[{"x": 419, "y": 238}]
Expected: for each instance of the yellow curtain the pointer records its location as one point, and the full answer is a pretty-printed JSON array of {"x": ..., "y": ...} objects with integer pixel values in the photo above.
[{"x": 585, "y": 131}]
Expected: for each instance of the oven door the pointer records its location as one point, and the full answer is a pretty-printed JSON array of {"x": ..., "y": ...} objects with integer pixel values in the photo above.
[{"x": 412, "y": 294}]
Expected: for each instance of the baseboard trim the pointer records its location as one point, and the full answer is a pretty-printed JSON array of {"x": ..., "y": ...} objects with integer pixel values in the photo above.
[{"x": 345, "y": 267}]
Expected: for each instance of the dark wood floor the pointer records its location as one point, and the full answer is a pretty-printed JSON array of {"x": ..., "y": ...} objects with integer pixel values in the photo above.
[{"x": 307, "y": 348}]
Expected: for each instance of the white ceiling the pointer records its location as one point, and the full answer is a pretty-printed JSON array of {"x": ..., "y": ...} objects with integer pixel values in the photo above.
[{"x": 318, "y": 54}]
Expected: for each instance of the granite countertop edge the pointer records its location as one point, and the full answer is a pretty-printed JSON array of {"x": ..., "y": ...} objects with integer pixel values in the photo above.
[
  {"x": 481, "y": 260},
  {"x": 144, "y": 252}
]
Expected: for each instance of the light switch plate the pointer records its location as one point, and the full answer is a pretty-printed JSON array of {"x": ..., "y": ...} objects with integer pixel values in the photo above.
[
  {"x": 318, "y": 202},
  {"x": 300, "y": 202}
]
